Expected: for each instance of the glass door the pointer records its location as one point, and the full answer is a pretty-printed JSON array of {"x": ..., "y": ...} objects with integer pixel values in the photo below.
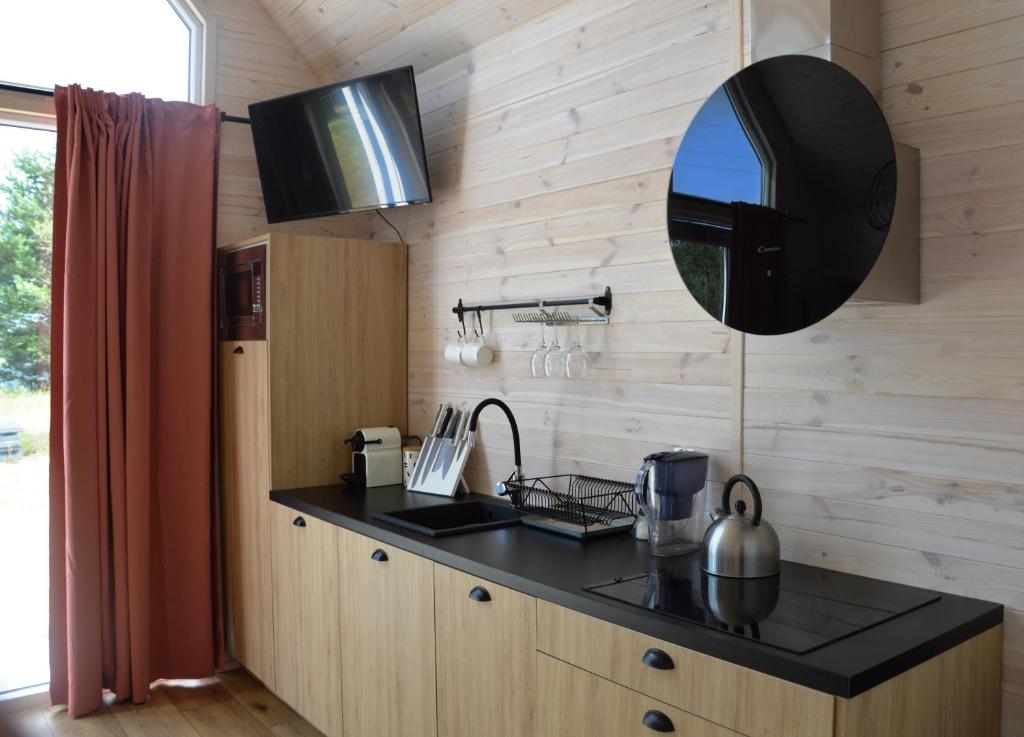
[{"x": 26, "y": 224}]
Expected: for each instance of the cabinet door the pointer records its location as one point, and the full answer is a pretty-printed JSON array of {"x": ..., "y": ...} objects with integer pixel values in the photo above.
[
  {"x": 307, "y": 608},
  {"x": 245, "y": 504},
  {"x": 486, "y": 657},
  {"x": 387, "y": 626},
  {"x": 574, "y": 703}
]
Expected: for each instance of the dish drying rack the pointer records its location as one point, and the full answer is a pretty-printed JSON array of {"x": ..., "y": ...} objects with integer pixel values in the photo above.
[
  {"x": 573, "y": 504},
  {"x": 548, "y": 311}
]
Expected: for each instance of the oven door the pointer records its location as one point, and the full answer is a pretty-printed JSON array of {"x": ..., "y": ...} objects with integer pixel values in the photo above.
[{"x": 241, "y": 284}]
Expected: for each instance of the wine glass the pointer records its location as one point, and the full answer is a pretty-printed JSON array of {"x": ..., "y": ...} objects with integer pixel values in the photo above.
[
  {"x": 538, "y": 357},
  {"x": 576, "y": 361},
  {"x": 554, "y": 361}
]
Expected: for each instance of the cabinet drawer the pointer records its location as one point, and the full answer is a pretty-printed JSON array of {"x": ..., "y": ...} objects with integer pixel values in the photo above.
[
  {"x": 574, "y": 703},
  {"x": 742, "y": 699},
  {"x": 486, "y": 656}
]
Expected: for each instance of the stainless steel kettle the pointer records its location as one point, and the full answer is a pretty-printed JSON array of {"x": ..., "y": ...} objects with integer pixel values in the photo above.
[{"x": 738, "y": 546}]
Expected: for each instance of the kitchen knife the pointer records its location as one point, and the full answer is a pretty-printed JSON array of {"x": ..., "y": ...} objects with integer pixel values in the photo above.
[
  {"x": 428, "y": 445},
  {"x": 457, "y": 440},
  {"x": 444, "y": 456},
  {"x": 435, "y": 446},
  {"x": 444, "y": 423}
]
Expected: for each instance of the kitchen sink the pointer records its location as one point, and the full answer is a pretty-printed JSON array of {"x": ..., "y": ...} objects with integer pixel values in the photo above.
[{"x": 442, "y": 520}]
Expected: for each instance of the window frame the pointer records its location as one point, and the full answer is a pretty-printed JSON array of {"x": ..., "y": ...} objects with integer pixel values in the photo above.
[{"x": 198, "y": 21}]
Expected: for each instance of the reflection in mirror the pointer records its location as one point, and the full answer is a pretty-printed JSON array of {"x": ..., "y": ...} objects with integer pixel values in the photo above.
[{"x": 781, "y": 195}]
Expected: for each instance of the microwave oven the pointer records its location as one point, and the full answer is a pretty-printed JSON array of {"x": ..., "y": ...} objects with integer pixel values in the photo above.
[{"x": 241, "y": 299}]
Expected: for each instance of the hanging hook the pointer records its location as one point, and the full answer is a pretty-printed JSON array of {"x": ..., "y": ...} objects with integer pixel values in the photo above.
[
  {"x": 462, "y": 321},
  {"x": 480, "y": 320}
]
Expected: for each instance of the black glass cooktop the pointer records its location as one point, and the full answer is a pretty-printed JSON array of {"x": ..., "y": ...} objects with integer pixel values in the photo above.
[{"x": 800, "y": 610}]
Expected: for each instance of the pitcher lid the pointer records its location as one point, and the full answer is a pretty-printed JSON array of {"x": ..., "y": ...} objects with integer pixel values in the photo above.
[{"x": 671, "y": 456}]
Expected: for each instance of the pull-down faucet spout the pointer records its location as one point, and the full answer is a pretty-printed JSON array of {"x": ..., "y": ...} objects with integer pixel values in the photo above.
[{"x": 512, "y": 423}]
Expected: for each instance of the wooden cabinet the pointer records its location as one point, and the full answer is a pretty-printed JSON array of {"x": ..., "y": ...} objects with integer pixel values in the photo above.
[
  {"x": 288, "y": 402},
  {"x": 245, "y": 480},
  {"x": 387, "y": 626},
  {"x": 385, "y": 643},
  {"x": 749, "y": 702},
  {"x": 307, "y": 615},
  {"x": 486, "y": 657},
  {"x": 574, "y": 703}
]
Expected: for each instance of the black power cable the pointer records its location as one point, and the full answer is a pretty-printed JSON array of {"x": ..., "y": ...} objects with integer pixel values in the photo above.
[{"x": 400, "y": 238}]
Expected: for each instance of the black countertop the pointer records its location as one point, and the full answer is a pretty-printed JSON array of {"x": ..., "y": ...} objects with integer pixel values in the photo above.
[{"x": 556, "y": 569}]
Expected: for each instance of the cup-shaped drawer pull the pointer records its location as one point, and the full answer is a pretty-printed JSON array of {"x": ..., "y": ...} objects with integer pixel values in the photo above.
[
  {"x": 299, "y": 522},
  {"x": 379, "y": 555},
  {"x": 658, "y": 659},
  {"x": 658, "y": 722},
  {"x": 479, "y": 593}
]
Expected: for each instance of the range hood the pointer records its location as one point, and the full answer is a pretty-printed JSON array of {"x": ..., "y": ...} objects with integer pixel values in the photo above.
[{"x": 848, "y": 33}]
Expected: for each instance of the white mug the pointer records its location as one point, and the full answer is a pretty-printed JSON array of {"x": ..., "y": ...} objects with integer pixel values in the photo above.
[
  {"x": 477, "y": 354},
  {"x": 453, "y": 351}
]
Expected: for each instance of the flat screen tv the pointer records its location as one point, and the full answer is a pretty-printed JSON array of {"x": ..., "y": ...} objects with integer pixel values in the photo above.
[{"x": 355, "y": 145}]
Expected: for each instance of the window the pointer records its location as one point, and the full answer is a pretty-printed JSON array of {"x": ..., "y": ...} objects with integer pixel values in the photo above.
[
  {"x": 155, "y": 47},
  {"x": 158, "y": 48}
]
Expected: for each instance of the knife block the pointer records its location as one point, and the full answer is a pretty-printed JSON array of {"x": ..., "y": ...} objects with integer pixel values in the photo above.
[{"x": 433, "y": 478}]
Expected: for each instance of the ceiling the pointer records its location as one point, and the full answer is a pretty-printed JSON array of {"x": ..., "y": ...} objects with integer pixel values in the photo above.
[{"x": 340, "y": 39}]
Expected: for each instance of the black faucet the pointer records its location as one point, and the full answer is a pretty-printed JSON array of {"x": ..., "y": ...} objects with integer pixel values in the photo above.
[{"x": 512, "y": 423}]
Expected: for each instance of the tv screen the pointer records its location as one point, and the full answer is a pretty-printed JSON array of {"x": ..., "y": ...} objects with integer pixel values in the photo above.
[{"x": 354, "y": 145}]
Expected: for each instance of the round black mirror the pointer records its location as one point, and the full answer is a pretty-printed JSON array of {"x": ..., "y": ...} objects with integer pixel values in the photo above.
[{"x": 781, "y": 194}]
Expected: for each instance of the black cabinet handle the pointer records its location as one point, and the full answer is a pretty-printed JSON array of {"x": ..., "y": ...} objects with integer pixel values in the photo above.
[
  {"x": 658, "y": 659},
  {"x": 657, "y": 721},
  {"x": 299, "y": 522},
  {"x": 479, "y": 593},
  {"x": 379, "y": 555},
  {"x": 239, "y": 349}
]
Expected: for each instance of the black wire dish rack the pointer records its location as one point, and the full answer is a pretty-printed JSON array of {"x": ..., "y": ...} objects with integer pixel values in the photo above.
[{"x": 574, "y": 505}]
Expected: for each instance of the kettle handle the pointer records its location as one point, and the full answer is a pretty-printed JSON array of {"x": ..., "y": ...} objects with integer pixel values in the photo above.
[
  {"x": 727, "y": 491},
  {"x": 640, "y": 488}
]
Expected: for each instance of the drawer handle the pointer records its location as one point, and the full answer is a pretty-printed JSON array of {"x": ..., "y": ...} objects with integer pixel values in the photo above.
[
  {"x": 658, "y": 659},
  {"x": 479, "y": 593},
  {"x": 299, "y": 522},
  {"x": 239, "y": 349},
  {"x": 379, "y": 555},
  {"x": 657, "y": 721}
]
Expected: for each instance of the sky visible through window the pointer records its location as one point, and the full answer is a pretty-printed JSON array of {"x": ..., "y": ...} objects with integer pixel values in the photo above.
[{"x": 111, "y": 45}]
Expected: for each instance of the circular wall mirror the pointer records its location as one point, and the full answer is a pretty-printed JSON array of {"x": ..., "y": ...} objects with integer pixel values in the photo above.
[{"x": 781, "y": 195}]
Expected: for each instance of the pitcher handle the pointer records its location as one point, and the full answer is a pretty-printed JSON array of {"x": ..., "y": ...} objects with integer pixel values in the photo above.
[{"x": 640, "y": 487}]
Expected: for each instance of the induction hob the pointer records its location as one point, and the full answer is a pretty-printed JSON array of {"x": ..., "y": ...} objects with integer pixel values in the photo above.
[{"x": 800, "y": 610}]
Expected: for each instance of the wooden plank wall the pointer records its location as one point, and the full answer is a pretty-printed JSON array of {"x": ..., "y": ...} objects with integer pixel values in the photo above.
[
  {"x": 889, "y": 438},
  {"x": 550, "y": 127}
]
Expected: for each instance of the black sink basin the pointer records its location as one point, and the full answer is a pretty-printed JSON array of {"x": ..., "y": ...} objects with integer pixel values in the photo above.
[{"x": 442, "y": 520}]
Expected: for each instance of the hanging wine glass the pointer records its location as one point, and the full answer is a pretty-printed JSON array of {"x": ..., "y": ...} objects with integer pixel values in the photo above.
[
  {"x": 538, "y": 357},
  {"x": 554, "y": 361},
  {"x": 576, "y": 361}
]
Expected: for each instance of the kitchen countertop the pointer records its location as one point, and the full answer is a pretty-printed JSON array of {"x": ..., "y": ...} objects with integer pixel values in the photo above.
[{"x": 556, "y": 568}]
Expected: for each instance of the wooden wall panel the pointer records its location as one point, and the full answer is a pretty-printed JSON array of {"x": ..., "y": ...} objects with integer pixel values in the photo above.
[
  {"x": 888, "y": 438},
  {"x": 550, "y": 127}
]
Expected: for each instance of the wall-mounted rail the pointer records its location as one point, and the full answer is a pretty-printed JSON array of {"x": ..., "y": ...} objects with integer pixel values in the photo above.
[{"x": 548, "y": 311}]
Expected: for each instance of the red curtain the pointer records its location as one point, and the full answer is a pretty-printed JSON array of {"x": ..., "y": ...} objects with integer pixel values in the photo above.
[{"x": 133, "y": 583}]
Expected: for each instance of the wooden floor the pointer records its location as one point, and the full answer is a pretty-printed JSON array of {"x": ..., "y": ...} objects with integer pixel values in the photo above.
[{"x": 233, "y": 704}]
